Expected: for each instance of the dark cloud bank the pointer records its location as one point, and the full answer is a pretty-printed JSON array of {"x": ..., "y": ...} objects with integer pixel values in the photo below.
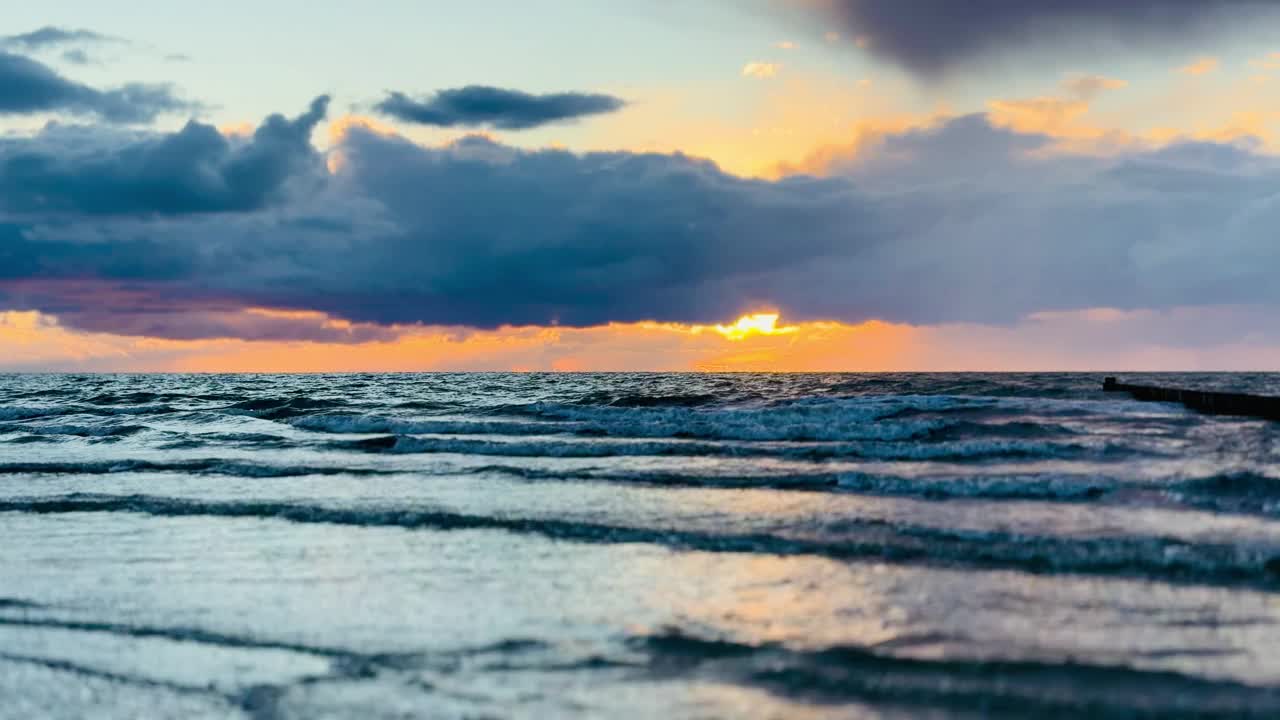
[
  {"x": 931, "y": 36},
  {"x": 483, "y": 106},
  {"x": 170, "y": 234},
  {"x": 28, "y": 86}
]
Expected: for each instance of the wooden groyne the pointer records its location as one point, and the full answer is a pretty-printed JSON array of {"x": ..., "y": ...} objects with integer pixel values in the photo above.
[{"x": 1212, "y": 403}]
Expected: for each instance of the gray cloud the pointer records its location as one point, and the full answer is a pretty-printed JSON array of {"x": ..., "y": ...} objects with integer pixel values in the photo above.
[
  {"x": 481, "y": 106},
  {"x": 77, "y": 57},
  {"x": 28, "y": 86},
  {"x": 931, "y": 36},
  {"x": 51, "y": 36},
  {"x": 962, "y": 221},
  {"x": 195, "y": 170}
]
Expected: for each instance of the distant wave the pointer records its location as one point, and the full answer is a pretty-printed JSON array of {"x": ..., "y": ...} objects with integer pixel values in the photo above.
[
  {"x": 587, "y": 448},
  {"x": 281, "y": 408}
]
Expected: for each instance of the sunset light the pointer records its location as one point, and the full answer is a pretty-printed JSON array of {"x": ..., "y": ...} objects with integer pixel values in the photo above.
[{"x": 757, "y": 324}]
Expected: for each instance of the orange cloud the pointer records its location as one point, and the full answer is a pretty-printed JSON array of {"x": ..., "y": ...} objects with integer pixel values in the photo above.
[
  {"x": 1201, "y": 66},
  {"x": 865, "y": 135},
  {"x": 1080, "y": 340},
  {"x": 241, "y": 129}
]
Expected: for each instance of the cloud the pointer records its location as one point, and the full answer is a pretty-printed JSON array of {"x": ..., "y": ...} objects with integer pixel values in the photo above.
[
  {"x": 958, "y": 221},
  {"x": 29, "y": 87},
  {"x": 51, "y": 36},
  {"x": 1200, "y": 66},
  {"x": 761, "y": 70},
  {"x": 1219, "y": 338},
  {"x": 929, "y": 37},
  {"x": 483, "y": 106},
  {"x": 1088, "y": 87},
  {"x": 76, "y": 57},
  {"x": 195, "y": 170}
]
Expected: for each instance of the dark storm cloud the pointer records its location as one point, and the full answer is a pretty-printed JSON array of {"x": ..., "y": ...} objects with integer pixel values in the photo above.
[
  {"x": 481, "y": 106},
  {"x": 194, "y": 170},
  {"x": 51, "y": 36},
  {"x": 930, "y": 36},
  {"x": 485, "y": 234},
  {"x": 28, "y": 86},
  {"x": 959, "y": 222}
]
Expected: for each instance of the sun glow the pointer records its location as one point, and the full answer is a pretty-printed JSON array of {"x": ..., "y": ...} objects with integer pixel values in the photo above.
[{"x": 757, "y": 324}]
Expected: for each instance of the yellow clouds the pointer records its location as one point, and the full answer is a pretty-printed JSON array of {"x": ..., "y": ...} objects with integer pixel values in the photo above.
[
  {"x": 757, "y": 324},
  {"x": 754, "y": 342},
  {"x": 863, "y": 136},
  {"x": 1061, "y": 116},
  {"x": 339, "y": 128},
  {"x": 1046, "y": 115},
  {"x": 1201, "y": 66},
  {"x": 241, "y": 129},
  {"x": 761, "y": 70}
]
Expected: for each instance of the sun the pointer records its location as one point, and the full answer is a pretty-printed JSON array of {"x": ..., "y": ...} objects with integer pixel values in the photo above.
[{"x": 755, "y": 324}]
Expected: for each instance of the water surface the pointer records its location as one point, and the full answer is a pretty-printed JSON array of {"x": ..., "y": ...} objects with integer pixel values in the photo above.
[{"x": 647, "y": 545}]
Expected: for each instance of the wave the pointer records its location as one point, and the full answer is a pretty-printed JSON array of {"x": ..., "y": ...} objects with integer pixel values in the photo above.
[
  {"x": 649, "y": 401},
  {"x": 256, "y": 440},
  {"x": 957, "y": 450},
  {"x": 74, "y": 430},
  {"x": 742, "y": 425},
  {"x": 1022, "y": 429},
  {"x": 1044, "y": 688},
  {"x": 180, "y": 634},
  {"x": 1061, "y": 488},
  {"x": 1155, "y": 558},
  {"x": 195, "y": 467},
  {"x": 339, "y": 423},
  {"x": 811, "y": 419},
  {"x": 30, "y": 413},
  {"x": 1243, "y": 491},
  {"x": 776, "y": 481},
  {"x": 281, "y": 408},
  {"x": 541, "y": 448},
  {"x": 145, "y": 398}
]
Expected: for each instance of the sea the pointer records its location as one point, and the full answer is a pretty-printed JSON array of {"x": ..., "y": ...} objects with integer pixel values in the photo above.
[{"x": 634, "y": 546}]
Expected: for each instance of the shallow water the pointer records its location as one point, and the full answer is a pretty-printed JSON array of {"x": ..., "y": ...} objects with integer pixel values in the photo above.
[{"x": 643, "y": 545}]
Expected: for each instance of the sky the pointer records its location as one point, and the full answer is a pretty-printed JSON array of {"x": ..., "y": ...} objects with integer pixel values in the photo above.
[{"x": 756, "y": 185}]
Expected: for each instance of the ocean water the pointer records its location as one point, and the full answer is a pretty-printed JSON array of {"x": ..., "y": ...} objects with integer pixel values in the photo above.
[{"x": 634, "y": 546}]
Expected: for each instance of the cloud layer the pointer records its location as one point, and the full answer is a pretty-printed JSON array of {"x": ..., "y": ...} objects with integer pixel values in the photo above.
[
  {"x": 477, "y": 106},
  {"x": 931, "y": 36},
  {"x": 28, "y": 87},
  {"x": 179, "y": 235}
]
